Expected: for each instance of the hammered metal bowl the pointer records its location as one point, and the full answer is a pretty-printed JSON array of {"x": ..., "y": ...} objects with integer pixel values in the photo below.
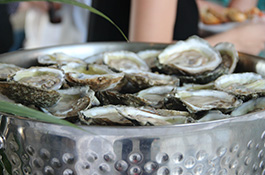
[{"x": 234, "y": 146}]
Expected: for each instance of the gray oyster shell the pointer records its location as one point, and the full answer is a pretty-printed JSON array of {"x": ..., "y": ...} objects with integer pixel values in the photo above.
[
  {"x": 58, "y": 58},
  {"x": 7, "y": 70},
  {"x": 29, "y": 95},
  {"x": 124, "y": 60},
  {"x": 213, "y": 115},
  {"x": 98, "y": 77},
  {"x": 205, "y": 100},
  {"x": 244, "y": 85},
  {"x": 252, "y": 105},
  {"x": 150, "y": 57},
  {"x": 72, "y": 101},
  {"x": 131, "y": 116}
]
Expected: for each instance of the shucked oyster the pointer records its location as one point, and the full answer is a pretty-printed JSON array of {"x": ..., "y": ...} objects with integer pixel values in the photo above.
[
  {"x": 36, "y": 85},
  {"x": 244, "y": 85},
  {"x": 58, "y": 58},
  {"x": 229, "y": 55},
  {"x": 124, "y": 115},
  {"x": 149, "y": 56},
  {"x": 40, "y": 77},
  {"x": 72, "y": 101},
  {"x": 142, "y": 80},
  {"x": 8, "y": 69},
  {"x": 125, "y": 60},
  {"x": 191, "y": 58},
  {"x": 98, "y": 77},
  {"x": 204, "y": 100}
]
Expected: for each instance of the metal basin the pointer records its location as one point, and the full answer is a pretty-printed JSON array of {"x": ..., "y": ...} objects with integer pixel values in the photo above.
[{"x": 229, "y": 146}]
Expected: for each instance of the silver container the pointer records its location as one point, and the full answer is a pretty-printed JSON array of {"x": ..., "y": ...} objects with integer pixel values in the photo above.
[{"x": 234, "y": 146}]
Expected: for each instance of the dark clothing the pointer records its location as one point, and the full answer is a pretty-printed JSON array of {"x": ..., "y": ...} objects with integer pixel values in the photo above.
[
  {"x": 6, "y": 32},
  {"x": 187, "y": 20},
  {"x": 102, "y": 30},
  {"x": 119, "y": 11}
]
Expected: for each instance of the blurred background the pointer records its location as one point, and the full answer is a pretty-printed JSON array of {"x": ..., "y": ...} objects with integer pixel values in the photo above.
[{"x": 41, "y": 24}]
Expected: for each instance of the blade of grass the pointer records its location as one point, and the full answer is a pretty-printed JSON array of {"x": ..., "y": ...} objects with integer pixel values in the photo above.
[
  {"x": 20, "y": 110},
  {"x": 79, "y": 4}
]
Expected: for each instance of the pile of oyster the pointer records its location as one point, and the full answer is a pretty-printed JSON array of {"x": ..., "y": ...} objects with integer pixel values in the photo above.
[{"x": 188, "y": 81}]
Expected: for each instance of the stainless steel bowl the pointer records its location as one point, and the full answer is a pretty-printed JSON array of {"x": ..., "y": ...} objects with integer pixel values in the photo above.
[{"x": 234, "y": 146}]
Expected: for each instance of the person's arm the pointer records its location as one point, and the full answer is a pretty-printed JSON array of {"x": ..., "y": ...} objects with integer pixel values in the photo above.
[
  {"x": 152, "y": 20},
  {"x": 243, "y": 5},
  {"x": 249, "y": 38}
]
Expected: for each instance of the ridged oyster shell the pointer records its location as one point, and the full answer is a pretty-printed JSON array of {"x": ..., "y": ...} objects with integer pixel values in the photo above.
[
  {"x": 252, "y": 105},
  {"x": 244, "y": 85},
  {"x": 193, "y": 56},
  {"x": 98, "y": 77}
]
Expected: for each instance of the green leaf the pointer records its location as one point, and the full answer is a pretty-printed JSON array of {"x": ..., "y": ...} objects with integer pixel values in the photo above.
[
  {"x": 79, "y": 4},
  {"x": 20, "y": 110}
]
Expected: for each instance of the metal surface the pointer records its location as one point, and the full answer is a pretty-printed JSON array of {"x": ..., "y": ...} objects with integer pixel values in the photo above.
[{"x": 230, "y": 146}]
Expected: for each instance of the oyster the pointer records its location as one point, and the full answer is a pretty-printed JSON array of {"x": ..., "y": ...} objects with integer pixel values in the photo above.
[
  {"x": 7, "y": 69},
  {"x": 191, "y": 58},
  {"x": 72, "y": 101},
  {"x": 123, "y": 115},
  {"x": 142, "y": 80},
  {"x": 57, "y": 58},
  {"x": 155, "y": 95},
  {"x": 124, "y": 60},
  {"x": 244, "y": 85},
  {"x": 204, "y": 100},
  {"x": 40, "y": 77},
  {"x": 229, "y": 55},
  {"x": 29, "y": 95},
  {"x": 150, "y": 57},
  {"x": 252, "y": 105},
  {"x": 213, "y": 115},
  {"x": 98, "y": 77}
]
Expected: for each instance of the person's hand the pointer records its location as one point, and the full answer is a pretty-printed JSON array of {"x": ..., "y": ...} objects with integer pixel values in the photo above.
[{"x": 248, "y": 38}]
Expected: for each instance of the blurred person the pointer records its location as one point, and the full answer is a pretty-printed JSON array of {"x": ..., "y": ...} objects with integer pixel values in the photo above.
[
  {"x": 68, "y": 27},
  {"x": 6, "y": 32},
  {"x": 153, "y": 21}
]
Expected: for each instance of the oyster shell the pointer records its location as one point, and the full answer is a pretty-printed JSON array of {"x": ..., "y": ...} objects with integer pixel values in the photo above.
[
  {"x": 124, "y": 115},
  {"x": 142, "y": 80},
  {"x": 7, "y": 69},
  {"x": 229, "y": 55},
  {"x": 29, "y": 95},
  {"x": 124, "y": 60},
  {"x": 40, "y": 77},
  {"x": 252, "y": 105},
  {"x": 213, "y": 115},
  {"x": 244, "y": 85},
  {"x": 58, "y": 58},
  {"x": 98, "y": 77},
  {"x": 150, "y": 57},
  {"x": 72, "y": 101},
  {"x": 192, "y": 57},
  {"x": 205, "y": 100}
]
